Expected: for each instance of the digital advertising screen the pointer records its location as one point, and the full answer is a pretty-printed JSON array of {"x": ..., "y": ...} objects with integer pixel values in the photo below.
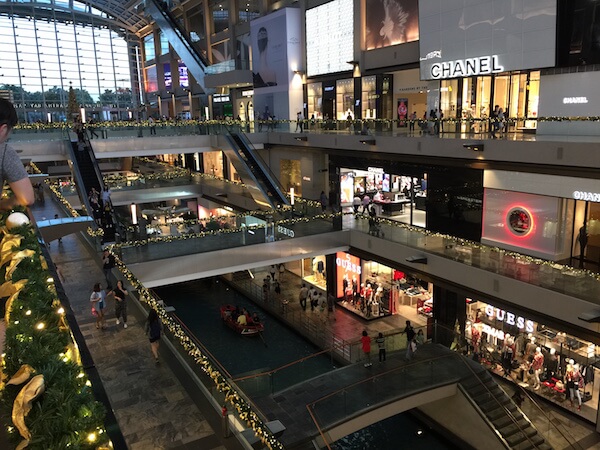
[{"x": 330, "y": 37}]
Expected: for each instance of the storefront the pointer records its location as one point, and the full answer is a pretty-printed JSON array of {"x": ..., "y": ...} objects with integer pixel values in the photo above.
[
  {"x": 467, "y": 81},
  {"x": 313, "y": 271},
  {"x": 535, "y": 356},
  {"x": 397, "y": 197},
  {"x": 473, "y": 99},
  {"x": 373, "y": 290}
]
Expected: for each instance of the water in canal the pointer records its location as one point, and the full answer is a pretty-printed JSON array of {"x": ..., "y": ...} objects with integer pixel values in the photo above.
[{"x": 197, "y": 304}]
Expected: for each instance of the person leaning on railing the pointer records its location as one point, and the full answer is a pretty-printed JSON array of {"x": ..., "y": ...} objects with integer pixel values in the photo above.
[{"x": 11, "y": 167}]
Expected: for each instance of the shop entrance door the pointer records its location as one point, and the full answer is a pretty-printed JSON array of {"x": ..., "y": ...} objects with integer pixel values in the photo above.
[{"x": 329, "y": 108}]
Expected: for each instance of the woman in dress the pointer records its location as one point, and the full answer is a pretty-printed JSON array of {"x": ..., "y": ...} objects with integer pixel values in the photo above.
[{"x": 153, "y": 328}]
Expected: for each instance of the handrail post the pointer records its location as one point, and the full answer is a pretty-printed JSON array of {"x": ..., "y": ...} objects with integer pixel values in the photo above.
[{"x": 435, "y": 331}]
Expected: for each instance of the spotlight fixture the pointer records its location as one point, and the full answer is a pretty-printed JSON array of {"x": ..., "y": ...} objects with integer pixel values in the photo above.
[
  {"x": 417, "y": 259},
  {"x": 367, "y": 141},
  {"x": 476, "y": 147}
]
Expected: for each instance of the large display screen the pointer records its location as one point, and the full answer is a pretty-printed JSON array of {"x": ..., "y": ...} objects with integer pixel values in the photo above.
[
  {"x": 330, "y": 37},
  {"x": 347, "y": 268},
  {"x": 462, "y": 39},
  {"x": 391, "y": 22},
  {"x": 519, "y": 221}
]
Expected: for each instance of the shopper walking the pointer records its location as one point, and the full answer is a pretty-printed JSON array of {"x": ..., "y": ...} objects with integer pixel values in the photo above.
[
  {"x": 303, "y": 295},
  {"x": 120, "y": 294},
  {"x": 97, "y": 299},
  {"x": 410, "y": 344},
  {"x": 108, "y": 263},
  {"x": 366, "y": 348},
  {"x": 153, "y": 329}
]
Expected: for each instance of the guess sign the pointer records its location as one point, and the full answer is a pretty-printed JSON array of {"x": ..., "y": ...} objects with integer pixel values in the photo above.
[{"x": 509, "y": 318}]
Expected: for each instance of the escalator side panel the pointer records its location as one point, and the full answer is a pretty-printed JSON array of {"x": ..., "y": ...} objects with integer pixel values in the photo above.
[{"x": 180, "y": 42}]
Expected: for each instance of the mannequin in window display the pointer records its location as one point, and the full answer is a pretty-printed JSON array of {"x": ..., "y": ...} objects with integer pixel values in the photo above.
[
  {"x": 530, "y": 346},
  {"x": 375, "y": 306},
  {"x": 361, "y": 296},
  {"x": 349, "y": 295},
  {"x": 475, "y": 337},
  {"x": 520, "y": 344},
  {"x": 369, "y": 293},
  {"x": 537, "y": 365},
  {"x": 573, "y": 378},
  {"x": 345, "y": 283},
  {"x": 355, "y": 290},
  {"x": 378, "y": 300},
  {"x": 551, "y": 363},
  {"x": 508, "y": 353}
]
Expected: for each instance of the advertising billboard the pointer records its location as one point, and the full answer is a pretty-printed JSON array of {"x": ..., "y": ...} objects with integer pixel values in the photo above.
[
  {"x": 463, "y": 39},
  {"x": 391, "y": 22},
  {"x": 523, "y": 222},
  {"x": 276, "y": 56},
  {"x": 348, "y": 268},
  {"x": 330, "y": 37}
]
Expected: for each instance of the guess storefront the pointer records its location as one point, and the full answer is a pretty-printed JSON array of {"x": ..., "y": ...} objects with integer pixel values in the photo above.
[{"x": 553, "y": 364}]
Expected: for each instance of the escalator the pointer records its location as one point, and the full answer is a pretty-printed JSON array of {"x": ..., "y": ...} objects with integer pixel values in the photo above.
[
  {"x": 254, "y": 172},
  {"x": 87, "y": 174},
  {"x": 180, "y": 40}
]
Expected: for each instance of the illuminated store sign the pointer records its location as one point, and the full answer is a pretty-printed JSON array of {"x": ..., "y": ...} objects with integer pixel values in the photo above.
[
  {"x": 349, "y": 263},
  {"x": 285, "y": 231},
  {"x": 483, "y": 65},
  {"x": 494, "y": 332},
  {"x": 374, "y": 170},
  {"x": 574, "y": 100},
  {"x": 509, "y": 318},
  {"x": 587, "y": 196}
]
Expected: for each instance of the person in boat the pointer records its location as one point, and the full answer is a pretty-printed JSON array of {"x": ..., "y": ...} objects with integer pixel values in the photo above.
[
  {"x": 255, "y": 318},
  {"x": 243, "y": 317}
]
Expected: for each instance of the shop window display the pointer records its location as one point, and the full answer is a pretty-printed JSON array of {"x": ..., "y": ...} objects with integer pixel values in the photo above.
[
  {"x": 552, "y": 364},
  {"x": 363, "y": 287}
]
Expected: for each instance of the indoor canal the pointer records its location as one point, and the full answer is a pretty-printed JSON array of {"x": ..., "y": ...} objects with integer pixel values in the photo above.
[{"x": 197, "y": 304}]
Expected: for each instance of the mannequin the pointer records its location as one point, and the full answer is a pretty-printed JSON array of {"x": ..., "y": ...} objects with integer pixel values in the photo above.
[
  {"x": 552, "y": 363},
  {"x": 573, "y": 383},
  {"x": 537, "y": 365},
  {"x": 355, "y": 290},
  {"x": 530, "y": 347},
  {"x": 507, "y": 354}
]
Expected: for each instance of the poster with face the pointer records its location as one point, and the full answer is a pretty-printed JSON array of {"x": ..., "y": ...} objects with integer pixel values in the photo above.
[{"x": 391, "y": 22}]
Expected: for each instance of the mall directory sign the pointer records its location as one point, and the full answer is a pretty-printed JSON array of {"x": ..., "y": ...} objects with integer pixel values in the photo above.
[{"x": 464, "y": 38}]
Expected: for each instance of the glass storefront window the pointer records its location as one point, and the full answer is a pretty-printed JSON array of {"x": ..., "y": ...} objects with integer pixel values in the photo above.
[
  {"x": 535, "y": 356},
  {"x": 448, "y": 98},
  {"x": 315, "y": 100},
  {"x": 482, "y": 104},
  {"x": 517, "y": 97},
  {"x": 534, "y": 94},
  {"x": 149, "y": 50},
  {"x": 369, "y": 95},
  {"x": 502, "y": 92},
  {"x": 344, "y": 98},
  {"x": 220, "y": 16}
]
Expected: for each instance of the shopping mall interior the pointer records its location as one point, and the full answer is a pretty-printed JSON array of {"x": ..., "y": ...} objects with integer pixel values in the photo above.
[{"x": 373, "y": 233}]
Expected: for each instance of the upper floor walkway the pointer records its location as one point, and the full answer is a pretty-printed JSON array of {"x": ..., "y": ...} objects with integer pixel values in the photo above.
[{"x": 124, "y": 139}]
